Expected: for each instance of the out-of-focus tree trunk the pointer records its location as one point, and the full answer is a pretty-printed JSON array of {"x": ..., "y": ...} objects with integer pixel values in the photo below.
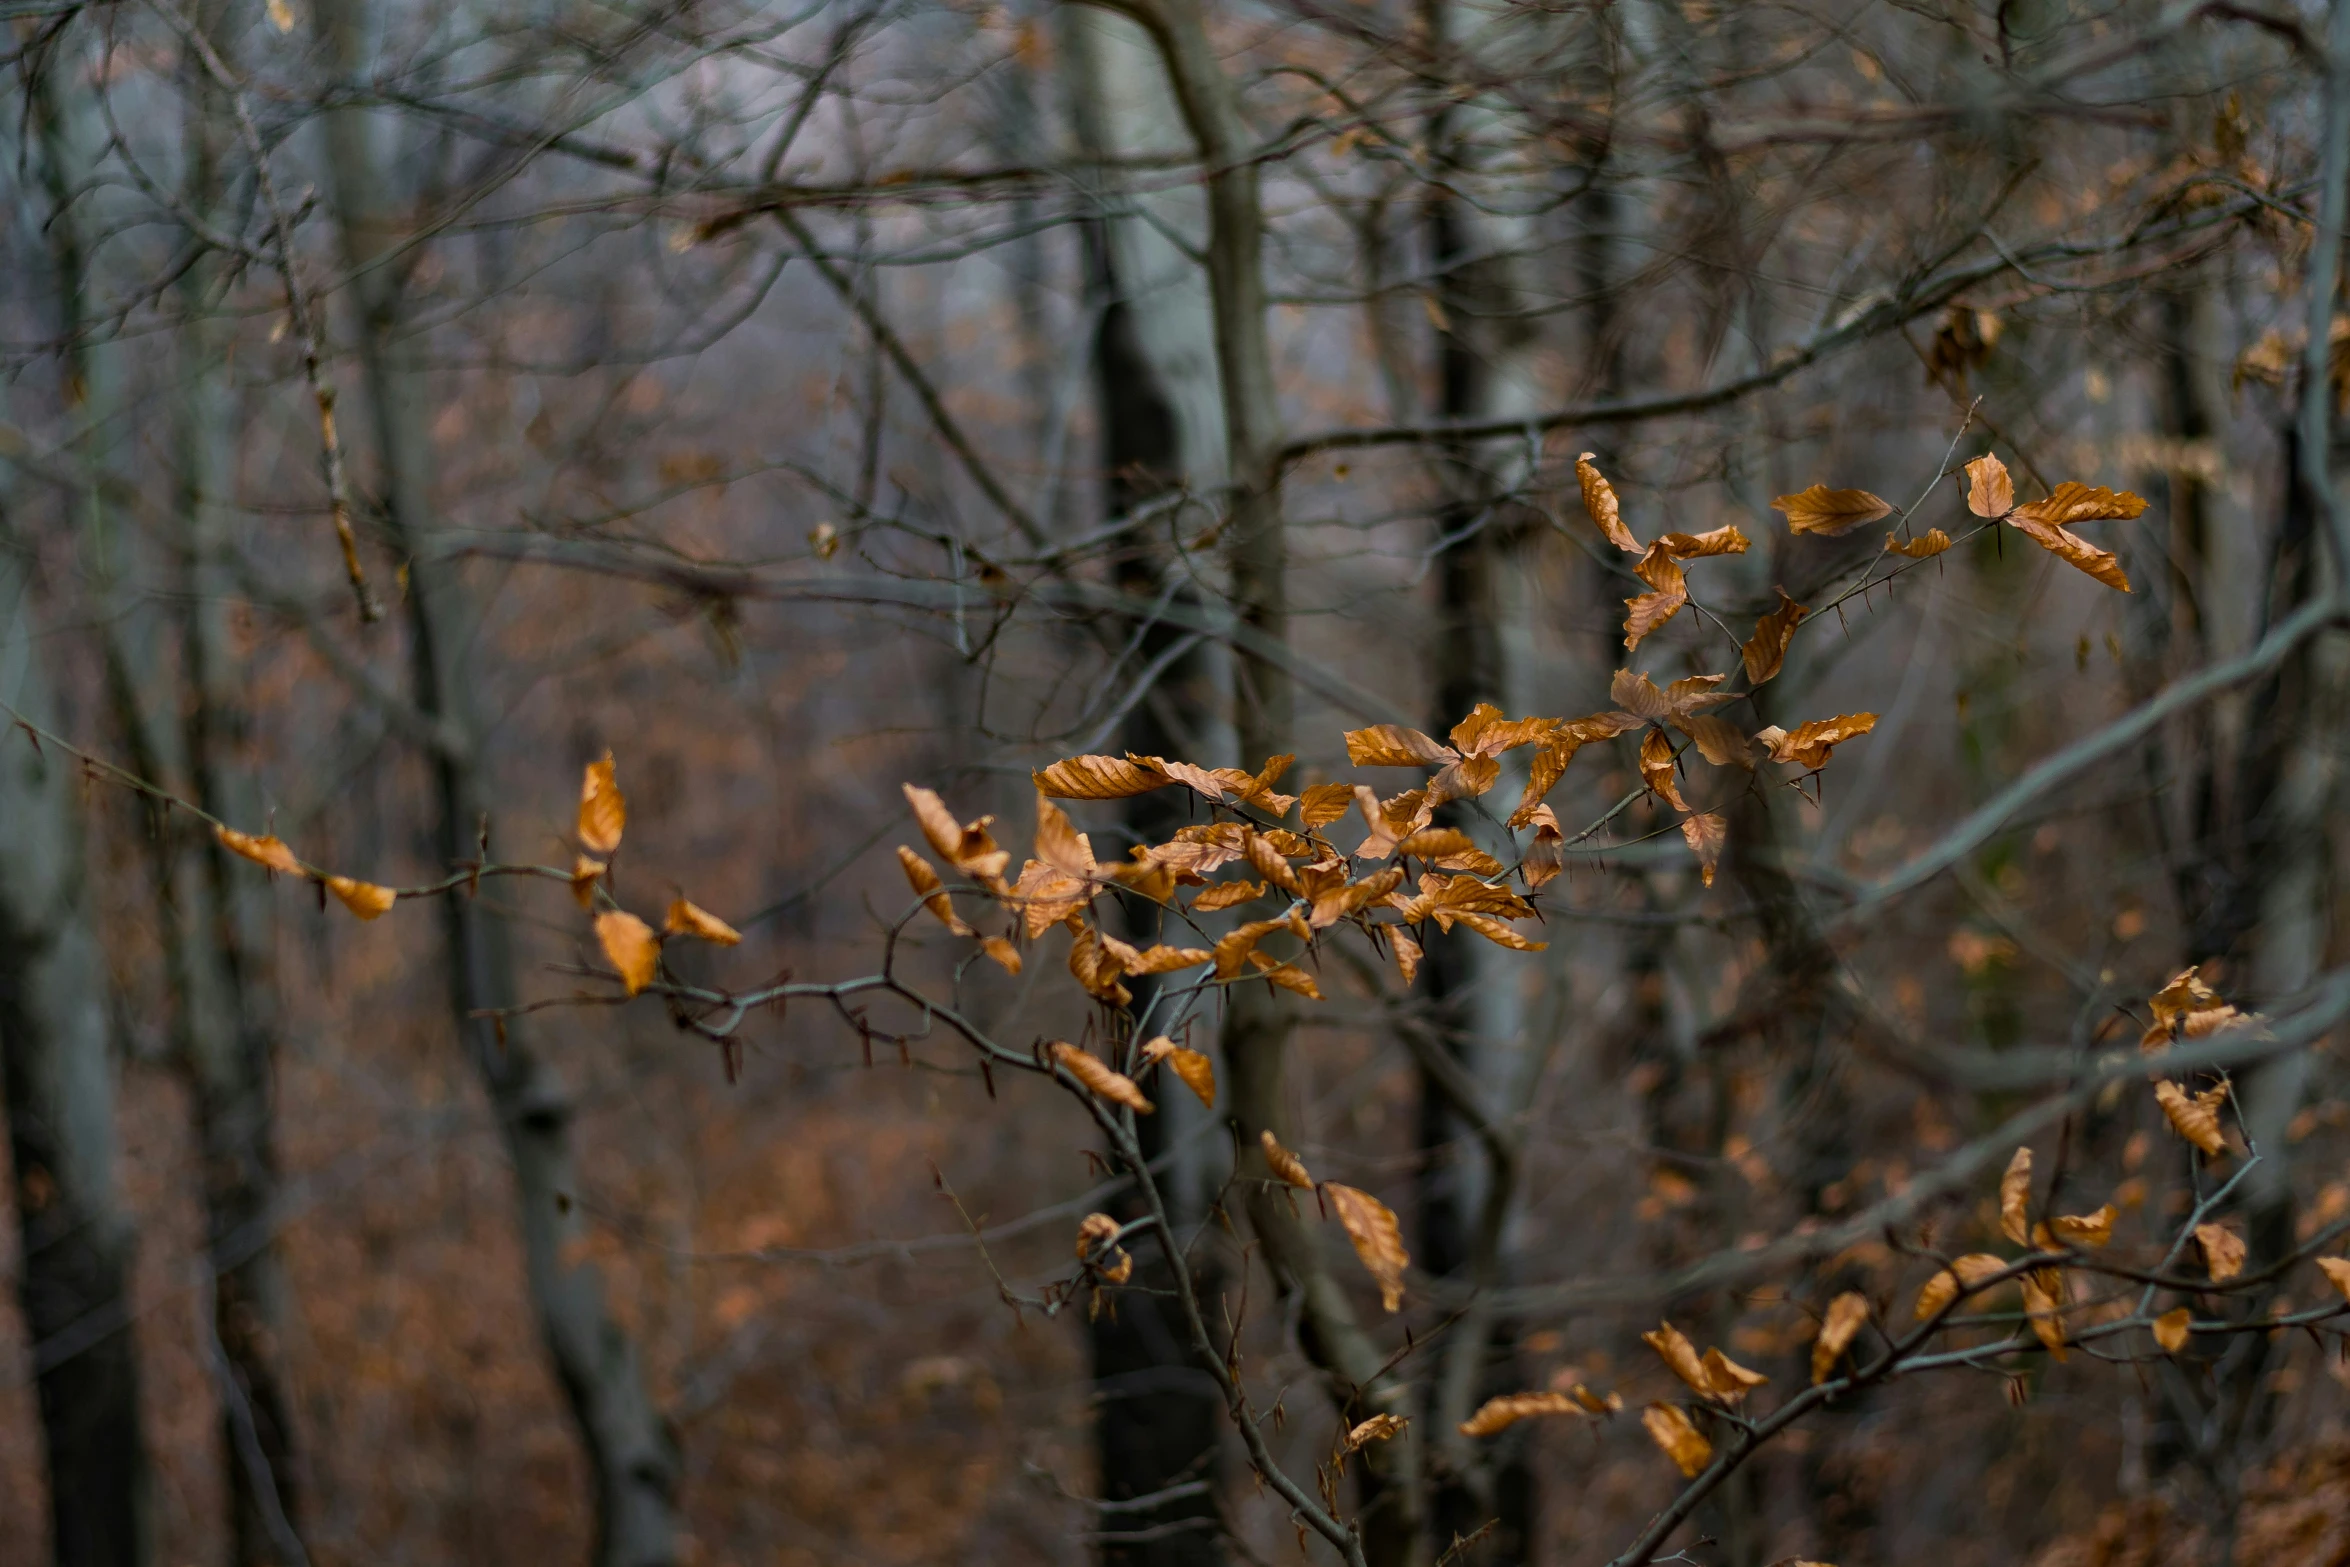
[
  {"x": 631, "y": 1452},
  {"x": 1157, "y": 1414},
  {"x": 1484, "y": 345},
  {"x": 56, "y": 1053}
]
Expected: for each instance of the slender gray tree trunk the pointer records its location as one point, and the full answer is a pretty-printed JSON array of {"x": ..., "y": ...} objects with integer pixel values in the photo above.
[{"x": 631, "y": 1452}]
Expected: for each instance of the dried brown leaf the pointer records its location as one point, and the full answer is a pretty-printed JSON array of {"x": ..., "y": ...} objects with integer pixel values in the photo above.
[
  {"x": 1196, "y": 1070},
  {"x": 1323, "y": 804},
  {"x": 1656, "y": 768},
  {"x": 1705, "y": 833},
  {"x": 1841, "y": 1323},
  {"x": 923, "y": 877},
  {"x": 1287, "y": 975},
  {"x": 1004, "y": 953},
  {"x": 2223, "y": 1251},
  {"x": 1394, "y": 745},
  {"x": 1830, "y": 512},
  {"x": 1925, "y": 546},
  {"x": 1672, "y": 1346},
  {"x": 1098, "y": 1079},
  {"x": 2015, "y": 1198},
  {"x": 363, "y": 898},
  {"x": 1377, "y": 1237},
  {"x": 1943, "y": 1288},
  {"x": 261, "y": 849},
  {"x": 603, "y": 810},
  {"x": 1728, "y": 1380},
  {"x": 2073, "y": 550},
  {"x": 1376, "y": 1429},
  {"x": 2337, "y": 1272},
  {"x": 1766, "y": 650},
  {"x": 1990, "y": 492},
  {"x": 2069, "y": 503},
  {"x": 1671, "y": 1431},
  {"x": 2046, "y": 1311},
  {"x": 2192, "y": 1119},
  {"x": 1499, "y": 1414},
  {"x": 1285, "y": 1165},
  {"x": 1599, "y": 500},
  {"x": 2173, "y": 1328},
  {"x": 631, "y": 947},
  {"x": 1810, "y": 746},
  {"x": 691, "y": 919},
  {"x": 1101, "y": 777},
  {"x": 2085, "y": 1229},
  {"x": 1225, "y": 894},
  {"x": 584, "y": 872}
]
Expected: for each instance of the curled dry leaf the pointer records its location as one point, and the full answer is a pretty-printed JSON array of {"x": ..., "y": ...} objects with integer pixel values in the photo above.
[
  {"x": 1098, "y": 1079},
  {"x": 1376, "y": 1429},
  {"x": 1377, "y": 1237},
  {"x": 1287, "y": 975},
  {"x": 603, "y": 810},
  {"x": 2337, "y": 1272},
  {"x": 691, "y": 919},
  {"x": 1394, "y": 745},
  {"x": 2045, "y": 1308},
  {"x": 1810, "y": 746},
  {"x": 1196, "y": 1070},
  {"x": 1728, "y": 1380},
  {"x": 2015, "y": 1198},
  {"x": 2187, "y": 1008},
  {"x": 1613, "y": 1403},
  {"x": 1546, "y": 856},
  {"x": 1407, "y": 952},
  {"x": 1499, "y": 1414},
  {"x": 261, "y": 849},
  {"x": 584, "y": 872},
  {"x": 2195, "y": 1119},
  {"x": 363, "y": 898},
  {"x": 1285, "y": 1165},
  {"x": 1095, "y": 1230},
  {"x": 1990, "y": 492},
  {"x": 1766, "y": 650},
  {"x": 1705, "y": 833},
  {"x": 1495, "y": 931},
  {"x": 1671, "y": 1431},
  {"x": 1672, "y": 1346},
  {"x": 1005, "y": 954},
  {"x": 1599, "y": 500},
  {"x": 1718, "y": 740},
  {"x": 923, "y": 877},
  {"x": 2086, "y": 1229},
  {"x": 1323, "y": 804},
  {"x": 970, "y": 849},
  {"x": 1842, "y": 1322},
  {"x": 1101, "y": 777},
  {"x": 1968, "y": 1271},
  {"x": 2069, "y": 503},
  {"x": 1822, "y": 510},
  {"x": 2223, "y": 1251},
  {"x": 1166, "y": 960},
  {"x": 1225, "y": 894},
  {"x": 630, "y": 945},
  {"x": 2173, "y": 1328},
  {"x": 2073, "y": 550},
  {"x": 1925, "y": 546},
  {"x": 1656, "y": 769}
]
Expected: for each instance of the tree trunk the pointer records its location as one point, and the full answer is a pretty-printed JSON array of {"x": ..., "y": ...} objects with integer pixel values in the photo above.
[{"x": 630, "y": 1450}]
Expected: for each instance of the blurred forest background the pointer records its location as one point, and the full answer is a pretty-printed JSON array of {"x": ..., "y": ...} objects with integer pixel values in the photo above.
[{"x": 408, "y": 404}]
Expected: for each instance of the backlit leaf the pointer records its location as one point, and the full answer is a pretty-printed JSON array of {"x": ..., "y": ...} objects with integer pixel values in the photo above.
[
  {"x": 1671, "y": 1431},
  {"x": 1599, "y": 500},
  {"x": 1706, "y": 832},
  {"x": 1500, "y": 935},
  {"x": 262, "y": 849},
  {"x": 2172, "y": 1330},
  {"x": 2070, "y": 503},
  {"x": 363, "y": 898},
  {"x": 603, "y": 810},
  {"x": 1323, "y": 804},
  {"x": 1841, "y": 1323},
  {"x": 1990, "y": 492},
  {"x": 1766, "y": 650},
  {"x": 2191, "y": 1118},
  {"x": 2223, "y": 1251},
  {"x": 1499, "y": 1414},
  {"x": 1463, "y": 780},
  {"x": 1393, "y": 745},
  {"x": 1825, "y": 511},
  {"x": 1729, "y": 1380},
  {"x": 691, "y": 919},
  {"x": 2015, "y": 1198},
  {"x": 1407, "y": 952},
  {"x": 1101, "y": 777},
  {"x": 1004, "y": 953},
  {"x": 630, "y": 946},
  {"x": 1098, "y": 1079},
  {"x": 1285, "y": 1165},
  {"x": 1672, "y": 1346},
  {"x": 2086, "y": 1229},
  {"x": 1377, "y": 1237},
  {"x": 584, "y": 872},
  {"x": 2073, "y": 550}
]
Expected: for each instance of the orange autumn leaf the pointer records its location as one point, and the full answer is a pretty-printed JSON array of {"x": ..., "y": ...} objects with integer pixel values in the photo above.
[
  {"x": 584, "y": 873},
  {"x": 363, "y": 898},
  {"x": 1830, "y": 512},
  {"x": 1705, "y": 833},
  {"x": 261, "y": 849},
  {"x": 630, "y": 946},
  {"x": 2196, "y": 1119},
  {"x": 1599, "y": 501},
  {"x": 1101, "y": 777},
  {"x": 1321, "y": 804},
  {"x": 1925, "y": 546},
  {"x": 1499, "y": 1414},
  {"x": 1005, "y": 954},
  {"x": 1656, "y": 769},
  {"x": 1098, "y": 1079},
  {"x": 1810, "y": 746},
  {"x": 1671, "y": 1431},
  {"x": 923, "y": 877},
  {"x": 1766, "y": 651},
  {"x": 2086, "y": 1229},
  {"x": 1990, "y": 491},
  {"x": 1285, "y": 1165},
  {"x": 1225, "y": 894},
  {"x": 2173, "y": 1328},
  {"x": 1376, "y": 1429},
  {"x": 691, "y": 919},
  {"x": 2069, "y": 503},
  {"x": 1943, "y": 1288},
  {"x": 2046, "y": 1311},
  {"x": 1842, "y": 1322},
  {"x": 603, "y": 810},
  {"x": 1377, "y": 1237},
  {"x": 2073, "y": 550},
  {"x": 2223, "y": 1251},
  {"x": 2015, "y": 1197},
  {"x": 1672, "y": 1346},
  {"x": 1196, "y": 1070}
]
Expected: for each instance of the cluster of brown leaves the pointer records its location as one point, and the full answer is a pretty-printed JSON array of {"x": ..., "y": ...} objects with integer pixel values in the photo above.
[
  {"x": 2048, "y": 522},
  {"x": 630, "y": 944}
]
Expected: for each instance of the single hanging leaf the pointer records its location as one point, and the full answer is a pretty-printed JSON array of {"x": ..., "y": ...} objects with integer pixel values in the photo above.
[
  {"x": 1705, "y": 833},
  {"x": 2172, "y": 1330},
  {"x": 630, "y": 946},
  {"x": 1376, "y": 1429},
  {"x": 691, "y": 919},
  {"x": 603, "y": 810},
  {"x": 2015, "y": 1198},
  {"x": 1285, "y": 1165},
  {"x": 1672, "y": 1346},
  {"x": 584, "y": 872},
  {"x": 1004, "y": 953},
  {"x": 1766, "y": 650},
  {"x": 2192, "y": 1119},
  {"x": 924, "y": 879},
  {"x": 1098, "y": 1079},
  {"x": 2086, "y": 1229},
  {"x": 1925, "y": 546},
  {"x": 2046, "y": 1312},
  {"x": 264, "y": 849},
  {"x": 2337, "y": 1272},
  {"x": 1499, "y": 1414},
  {"x": 2223, "y": 1251},
  {"x": 1845, "y": 1317},
  {"x": 1671, "y": 1431},
  {"x": 1101, "y": 777},
  {"x": 1656, "y": 769},
  {"x": 1729, "y": 1380},
  {"x": 1990, "y": 492},
  {"x": 1287, "y": 975},
  {"x": 1546, "y": 857},
  {"x": 1407, "y": 953},
  {"x": 1830, "y": 512},
  {"x": 363, "y": 898},
  {"x": 1196, "y": 1070},
  {"x": 1970, "y": 1270},
  {"x": 1599, "y": 500},
  {"x": 1378, "y": 1238},
  {"x": 2070, "y": 503},
  {"x": 2074, "y": 551},
  {"x": 1645, "y": 612}
]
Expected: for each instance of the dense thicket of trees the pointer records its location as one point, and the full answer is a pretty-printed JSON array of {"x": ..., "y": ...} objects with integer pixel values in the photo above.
[{"x": 1628, "y": 659}]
